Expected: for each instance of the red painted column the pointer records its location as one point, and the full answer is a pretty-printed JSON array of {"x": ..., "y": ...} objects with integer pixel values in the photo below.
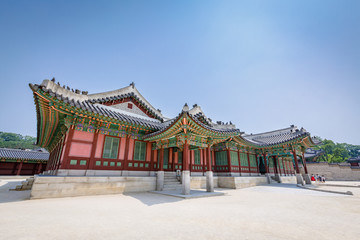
[
  {"x": 275, "y": 165},
  {"x": 278, "y": 163},
  {"x": 186, "y": 156},
  {"x": 19, "y": 168},
  {"x": 257, "y": 163},
  {"x": 204, "y": 160},
  {"x": 265, "y": 162},
  {"x": 171, "y": 160},
  {"x": 229, "y": 159},
  {"x": 91, "y": 163},
  {"x": 238, "y": 153},
  {"x": 208, "y": 159},
  {"x": 248, "y": 158},
  {"x": 161, "y": 167},
  {"x": 304, "y": 163},
  {"x": 126, "y": 157},
  {"x": 39, "y": 168},
  {"x": 296, "y": 162},
  {"x": 66, "y": 160},
  {"x": 153, "y": 159},
  {"x": 285, "y": 167}
]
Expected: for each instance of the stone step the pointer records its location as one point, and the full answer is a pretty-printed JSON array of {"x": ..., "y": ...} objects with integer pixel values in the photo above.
[
  {"x": 172, "y": 181},
  {"x": 172, "y": 189}
]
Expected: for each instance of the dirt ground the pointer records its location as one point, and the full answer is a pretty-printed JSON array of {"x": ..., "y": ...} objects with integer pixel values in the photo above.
[{"x": 280, "y": 211}]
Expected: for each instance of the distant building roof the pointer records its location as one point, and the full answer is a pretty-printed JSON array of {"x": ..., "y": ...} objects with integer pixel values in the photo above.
[
  {"x": 23, "y": 154},
  {"x": 310, "y": 153},
  {"x": 354, "y": 159}
]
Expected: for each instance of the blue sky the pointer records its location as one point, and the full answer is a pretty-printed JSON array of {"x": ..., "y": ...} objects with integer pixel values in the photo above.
[{"x": 263, "y": 65}]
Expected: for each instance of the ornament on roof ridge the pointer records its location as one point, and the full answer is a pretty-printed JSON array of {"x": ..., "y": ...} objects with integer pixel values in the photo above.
[
  {"x": 132, "y": 84},
  {"x": 185, "y": 108}
]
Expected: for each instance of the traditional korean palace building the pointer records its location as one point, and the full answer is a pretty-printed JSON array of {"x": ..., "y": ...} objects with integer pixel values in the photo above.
[
  {"x": 22, "y": 162},
  {"x": 119, "y": 133}
]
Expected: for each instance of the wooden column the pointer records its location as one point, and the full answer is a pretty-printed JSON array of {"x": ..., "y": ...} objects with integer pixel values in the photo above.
[
  {"x": 208, "y": 158},
  {"x": 257, "y": 163},
  {"x": 126, "y": 157},
  {"x": 170, "y": 160},
  {"x": 284, "y": 167},
  {"x": 161, "y": 167},
  {"x": 91, "y": 163},
  {"x": 39, "y": 168},
  {"x": 153, "y": 159},
  {"x": 19, "y": 168},
  {"x": 278, "y": 163},
  {"x": 238, "y": 153},
  {"x": 304, "y": 163},
  {"x": 229, "y": 159},
  {"x": 204, "y": 159},
  {"x": 66, "y": 160},
  {"x": 185, "y": 161},
  {"x": 266, "y": 165},
  {"x": 296, "y": 162},
  {"x": 275, "y": 165},
  {"x": 248, "y": 157}
]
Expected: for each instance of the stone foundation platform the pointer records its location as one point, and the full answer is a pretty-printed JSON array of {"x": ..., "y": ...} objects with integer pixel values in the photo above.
[{"x": 55, "y": 187}]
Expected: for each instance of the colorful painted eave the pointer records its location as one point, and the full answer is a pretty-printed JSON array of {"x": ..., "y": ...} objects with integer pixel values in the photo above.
[
  {"x": 304, "y": 139},
  {"x": 49, "y": 107},
  {"x": 186, "y": 124}
]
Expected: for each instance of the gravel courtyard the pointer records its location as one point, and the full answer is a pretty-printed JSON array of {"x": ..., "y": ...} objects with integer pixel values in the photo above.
[{"x": 262, "y": 212}]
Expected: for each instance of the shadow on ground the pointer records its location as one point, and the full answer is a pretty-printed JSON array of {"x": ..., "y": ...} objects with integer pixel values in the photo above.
[
  {"x": 12, "y": 196},
  {"x": 151, "y": 199}
]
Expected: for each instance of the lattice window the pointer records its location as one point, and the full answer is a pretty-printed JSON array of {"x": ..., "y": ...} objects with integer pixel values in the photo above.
[
  {"x": 252, "y": 160},
  {"x": 197, "y": 157},
  {"x": 140, "y": 151},
  {"x": 234, "y": 158},
  {"x": 244, "y": 160},
  {"x": 180, "y": 157},
  {"x": 221, "y": 158},
  {"x": 111, "y": 147}
]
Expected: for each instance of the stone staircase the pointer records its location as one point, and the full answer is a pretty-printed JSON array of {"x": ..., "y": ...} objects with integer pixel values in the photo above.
[
  {"x": 171, "y": 183},
  {"x": 25, "y": 185},
  {"x": 273, "y": 180}
]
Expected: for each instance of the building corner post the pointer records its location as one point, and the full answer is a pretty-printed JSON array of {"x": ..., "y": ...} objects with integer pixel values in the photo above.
[{"x": 209, "y": 173}]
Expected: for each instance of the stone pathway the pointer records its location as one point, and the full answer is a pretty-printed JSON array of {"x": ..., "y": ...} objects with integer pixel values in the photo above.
[{"x": 278, "y": 211}]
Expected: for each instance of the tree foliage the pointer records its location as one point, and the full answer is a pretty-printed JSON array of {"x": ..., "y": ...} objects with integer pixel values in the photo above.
[
  {"x": 337, "y": 152},
  {"x": 13, "y": 140}
]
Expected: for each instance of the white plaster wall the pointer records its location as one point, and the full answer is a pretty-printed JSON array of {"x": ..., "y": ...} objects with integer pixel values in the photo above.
[{"x": 124, "y": 107}]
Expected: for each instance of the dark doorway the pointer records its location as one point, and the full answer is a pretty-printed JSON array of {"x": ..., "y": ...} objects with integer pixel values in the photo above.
[{"x": 262, "y": 167}]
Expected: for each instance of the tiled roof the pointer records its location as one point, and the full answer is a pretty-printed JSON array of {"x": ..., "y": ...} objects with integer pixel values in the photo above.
[
  {"x": 23, "y": 154},
  {"x": 102, "y": 110},
  {"x": 309, "y": 153},
  {"x": 167, "y": 124},
  {"x": 276, "y": 137}
]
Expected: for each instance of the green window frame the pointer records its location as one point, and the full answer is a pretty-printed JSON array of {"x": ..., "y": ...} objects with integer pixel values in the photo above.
[
  {"x": 234, "y": 158},
  {"x": 112, "y": 164},
  {"x": 98, "y": 163},
  {"x": 140, "y": 151},
  {"x": 244, "y": 160},
  {"x": 73, "y": 162},
  {"x": 105, "y": 163},
  {"x": 253, "y": 160},
  {"x": 82, "y": 162},
  {"x": 197, "y": 159},
  {"x": 111, "y": 147},
  {"x": 180, "y": 157},
  {"x": 221, "y": 158}
]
